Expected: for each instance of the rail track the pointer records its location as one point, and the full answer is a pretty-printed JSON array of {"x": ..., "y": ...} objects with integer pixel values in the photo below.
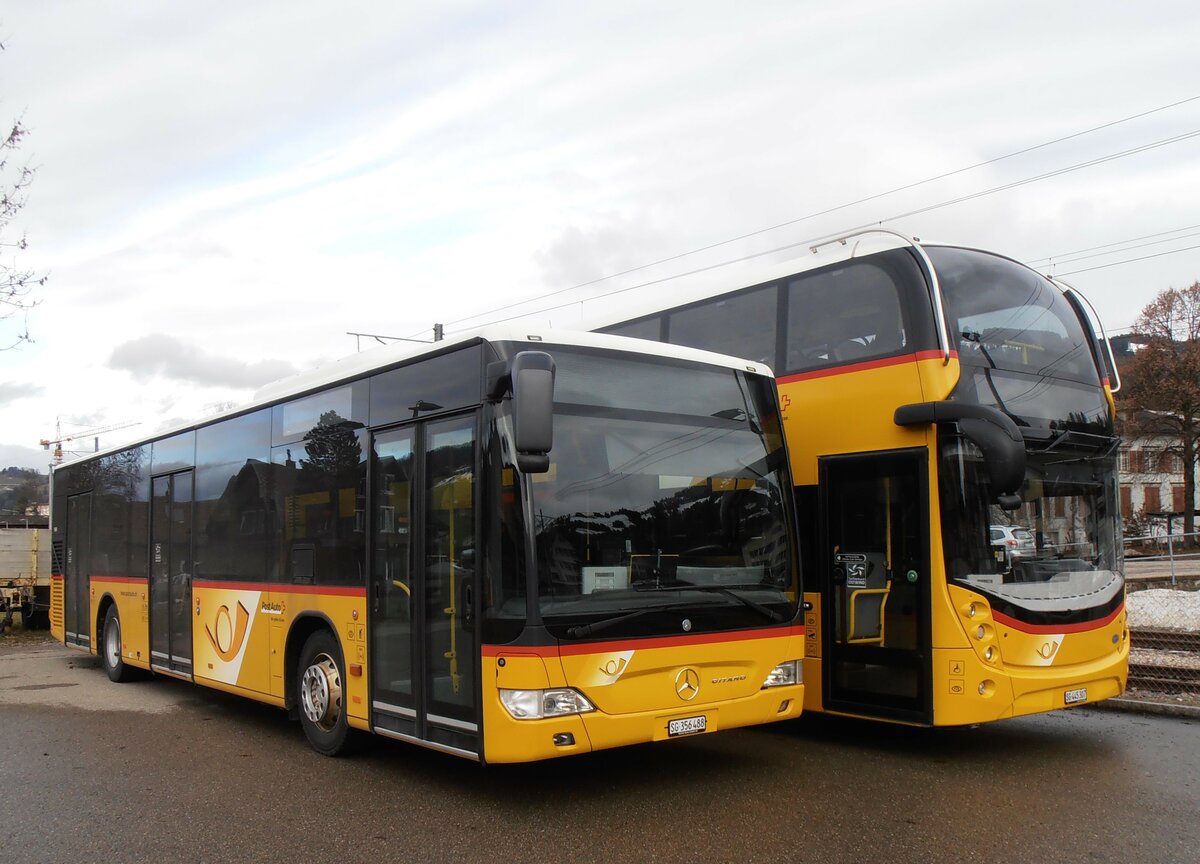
[
  {"x": 1155, "y": 677},
  {"x": 1170, "y": 677},
  {"x": 1166, "y": 640}
]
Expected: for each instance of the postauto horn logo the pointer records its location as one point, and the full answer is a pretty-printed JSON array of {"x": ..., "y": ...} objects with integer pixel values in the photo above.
[{"x": 230, "y": 635}]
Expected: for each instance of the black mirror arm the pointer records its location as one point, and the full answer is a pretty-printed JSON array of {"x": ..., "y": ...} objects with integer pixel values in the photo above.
[{"x": 993, "y": 431}]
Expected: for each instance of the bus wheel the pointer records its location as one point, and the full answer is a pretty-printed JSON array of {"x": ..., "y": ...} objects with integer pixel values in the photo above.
[
  {"x": 319, "y": 688},
  {"x": 110, "y": 648}
]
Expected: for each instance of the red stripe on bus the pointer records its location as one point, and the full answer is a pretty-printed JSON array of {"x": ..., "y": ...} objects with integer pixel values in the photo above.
[
  {"x": 643, "y": 644},
  {"x": 57, "y": 576},
  {"x": 123, "y": 579},
  {"x": 1043, "y": 629},
  {"x": 863, "y": 366},
  {"x": 277, "y": 588}
]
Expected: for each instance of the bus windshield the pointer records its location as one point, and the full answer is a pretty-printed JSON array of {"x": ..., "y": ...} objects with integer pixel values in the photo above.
[
  {"x": 1055, "y": 558},
  {"x": 665, "y": 499},
  {"x": 1006, "y": 317}
]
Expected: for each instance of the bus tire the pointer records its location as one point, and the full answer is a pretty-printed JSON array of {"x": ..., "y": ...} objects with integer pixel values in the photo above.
[
  {"x": 320, "y": 694},
  {"x": 110, "y": 648}
]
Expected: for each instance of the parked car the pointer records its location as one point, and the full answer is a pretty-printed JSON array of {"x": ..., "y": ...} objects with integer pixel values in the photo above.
[{"x": 1011, "y": 542}]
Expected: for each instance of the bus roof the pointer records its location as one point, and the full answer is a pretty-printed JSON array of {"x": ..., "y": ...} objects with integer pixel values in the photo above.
[{"x": 398, "y": 354}]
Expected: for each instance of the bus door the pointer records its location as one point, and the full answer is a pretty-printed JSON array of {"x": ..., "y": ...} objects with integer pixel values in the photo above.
[
  {"x": 171, "y": 573},
  {"x": 79, "y": 570},
  {"x": 424, "y": 663},
  {"x": 874, "y": 583}
]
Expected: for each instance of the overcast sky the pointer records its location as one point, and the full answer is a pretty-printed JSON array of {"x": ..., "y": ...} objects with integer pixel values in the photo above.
[{"x": 225, "y": 189}]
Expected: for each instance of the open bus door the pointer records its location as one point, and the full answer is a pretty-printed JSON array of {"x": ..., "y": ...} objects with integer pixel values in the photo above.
[{"x": 873, "y": 578}]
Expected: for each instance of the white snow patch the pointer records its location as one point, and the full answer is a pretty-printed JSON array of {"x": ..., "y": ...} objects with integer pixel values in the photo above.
[{"x": 1165, "y": 608}]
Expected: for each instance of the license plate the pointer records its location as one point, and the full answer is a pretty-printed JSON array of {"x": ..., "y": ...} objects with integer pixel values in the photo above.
[
  {"x": 1073, "y": 696},
  {"x": 687, "y": 726}
]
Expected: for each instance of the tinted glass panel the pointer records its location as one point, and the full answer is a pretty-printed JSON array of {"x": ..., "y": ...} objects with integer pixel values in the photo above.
[
  {"x": 1005, "y": 316},
  {"x": 121, "y": 513},
  {"x": 451, "y": 381},
  {"x": 160, "y": 573},
  {"x": 860, "y": 310},
  {"x": 1054, "y": 560},
  {"x": 318, "y": 486},
  {"x": 627, "y": 383},
  {"x": 449, "y": 545},
  {"x": 504, "y": 590},
  {"x": 665, "y": 493},
  {"x": 742, "y": 325},
  {"x": 1037, "y": 401},
  {"x": 234, "y": 514},
  {"x": 173, "y": 454},
  {"x": 292, "y": 421},
  {"x": 392, "y": 621},
  {"x": 182, "y": 564}
]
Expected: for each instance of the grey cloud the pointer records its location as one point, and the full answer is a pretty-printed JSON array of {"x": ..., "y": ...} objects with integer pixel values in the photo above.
[
  {"x": 12, "y": 391},
  {"x": 23, "y": 457},
  {"x": 163, "y": 356},
  {"x": 577, "y": 255}
]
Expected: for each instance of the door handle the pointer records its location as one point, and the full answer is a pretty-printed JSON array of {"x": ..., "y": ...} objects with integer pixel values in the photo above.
[{"x": 468, "y": 605}]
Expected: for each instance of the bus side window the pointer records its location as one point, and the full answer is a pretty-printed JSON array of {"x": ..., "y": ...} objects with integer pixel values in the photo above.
[
  {"x": 742, "y": 325},
  {"x": 843, "y": 315}
]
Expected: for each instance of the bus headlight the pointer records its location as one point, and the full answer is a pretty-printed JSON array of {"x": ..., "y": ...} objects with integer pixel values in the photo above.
[
  {"x": 538, "y": 704},
  {"x": 791, "y": 672}
]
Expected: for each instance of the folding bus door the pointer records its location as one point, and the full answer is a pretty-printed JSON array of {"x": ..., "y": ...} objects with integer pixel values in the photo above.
[
  {"x": 424, "y": 653},
  {"x": 77, "y": 595},
  {"x": 171, "y": 573}
]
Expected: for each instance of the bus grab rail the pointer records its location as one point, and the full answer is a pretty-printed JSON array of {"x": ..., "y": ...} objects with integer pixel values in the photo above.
[{"x": 931, "y": 279}]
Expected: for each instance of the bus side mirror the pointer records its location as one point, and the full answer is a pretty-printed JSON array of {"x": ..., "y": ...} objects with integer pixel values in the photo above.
[
  {"x": 990, "y": 429},
  {"x": 1004, "y": 458},
  {"x": 533, "y": 410}
]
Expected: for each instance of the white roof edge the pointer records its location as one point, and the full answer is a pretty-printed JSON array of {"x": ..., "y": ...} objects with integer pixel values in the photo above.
[
  {"x": 388, "y": 355},
  {"x": 365, "y": 362}
]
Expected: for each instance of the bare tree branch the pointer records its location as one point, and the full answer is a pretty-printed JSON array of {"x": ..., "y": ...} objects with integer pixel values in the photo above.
[
  {"x": 1162, "y": 395},
  {"x": 18, "y": 284}
]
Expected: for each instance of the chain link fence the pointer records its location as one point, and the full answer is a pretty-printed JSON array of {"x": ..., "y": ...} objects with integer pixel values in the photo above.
[{"x": 1163, "y": 580}]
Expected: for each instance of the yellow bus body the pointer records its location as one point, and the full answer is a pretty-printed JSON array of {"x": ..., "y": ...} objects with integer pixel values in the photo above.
[
  {"x": 240, "y": 635},
  {"x": 636, "y": 686},
  {"x": 1032, "y": 667}
]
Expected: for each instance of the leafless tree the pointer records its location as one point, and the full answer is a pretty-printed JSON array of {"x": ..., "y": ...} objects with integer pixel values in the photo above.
[
  {"x": 17, "y": 283},
  {"x": 1162, "y": 384}
]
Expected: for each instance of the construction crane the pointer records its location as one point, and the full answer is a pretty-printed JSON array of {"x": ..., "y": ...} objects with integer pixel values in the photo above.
[{"x": 59, "y": 439}]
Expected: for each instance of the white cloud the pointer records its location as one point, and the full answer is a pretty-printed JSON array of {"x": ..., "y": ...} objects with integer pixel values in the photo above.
[
  {"x": 11, "y": 391},
  {"x": 158, "y": 355},
  {"x": 256, "y": 180}
]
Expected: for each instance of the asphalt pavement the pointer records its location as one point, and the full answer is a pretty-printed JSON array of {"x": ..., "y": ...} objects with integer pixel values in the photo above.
[{"x": 162, "y": 770}]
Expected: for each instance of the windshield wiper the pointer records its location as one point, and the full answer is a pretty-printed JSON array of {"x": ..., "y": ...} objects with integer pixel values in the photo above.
[
  {"x": 721, "y": 589},
  {"x": 762, "y": 610},
  {"x": 581, "y": 630}
]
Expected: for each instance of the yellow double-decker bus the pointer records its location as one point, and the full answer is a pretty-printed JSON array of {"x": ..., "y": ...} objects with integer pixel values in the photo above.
[
  {"x": 950, "y": 422},
  {"x": 508, "y": 546}
]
